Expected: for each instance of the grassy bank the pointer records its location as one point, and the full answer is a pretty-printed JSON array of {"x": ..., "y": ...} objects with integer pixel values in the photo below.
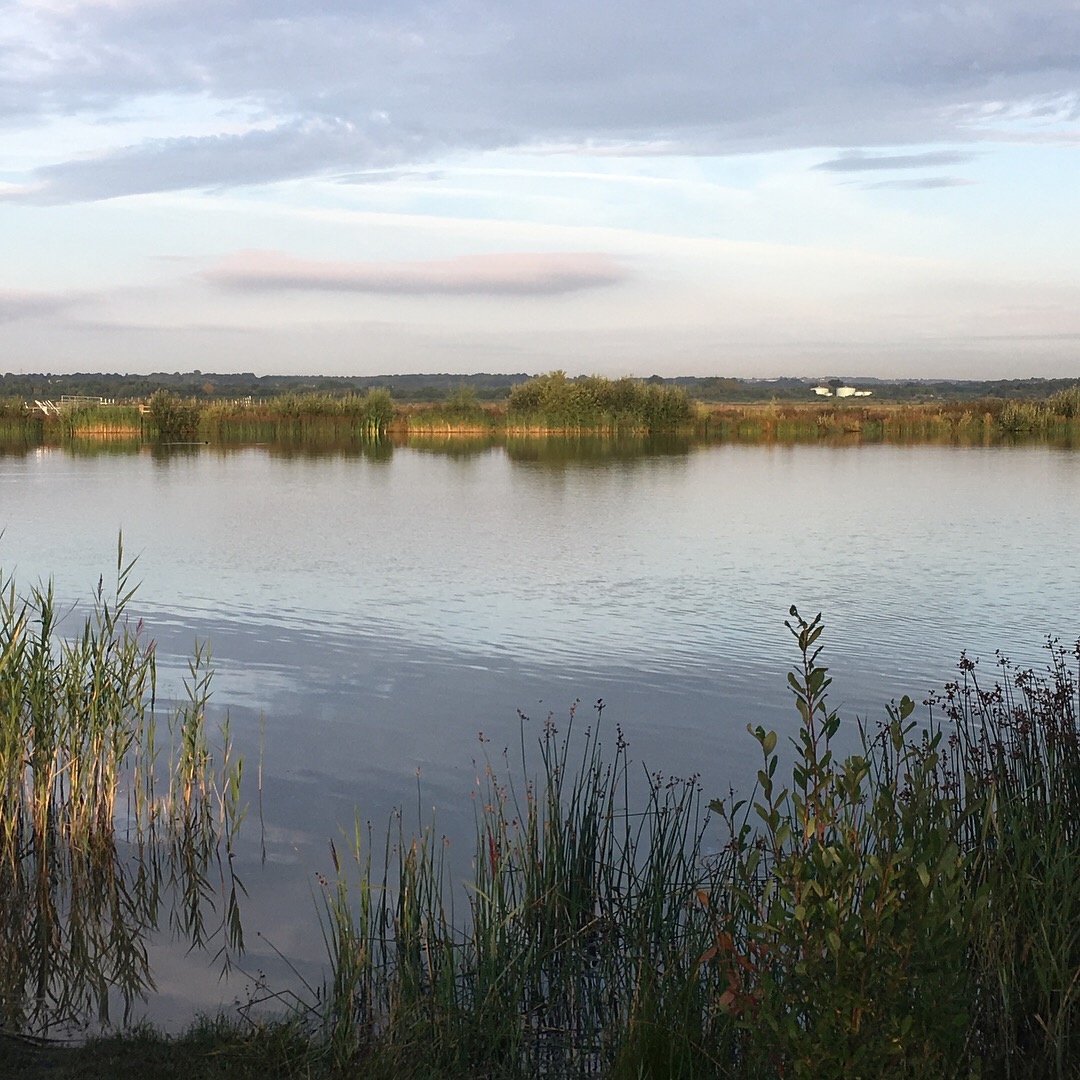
[{"x": 908, "y": 908}]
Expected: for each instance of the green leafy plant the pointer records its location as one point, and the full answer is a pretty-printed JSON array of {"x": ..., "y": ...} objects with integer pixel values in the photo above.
[{"x": 839, "y": 937}]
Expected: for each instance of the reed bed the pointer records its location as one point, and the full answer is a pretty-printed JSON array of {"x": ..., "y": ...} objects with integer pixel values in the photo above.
[
  {"x": 20, "y": 430},
  {"x": 1016, "y": 751},
  {"x": 101, "y": 421},
  {"x": 17, "y": 422},
  {"x": 460, "y": 413},
  {"x": 969, "y": 423},
  {"x": 574, "y": 952},
  {"x": 102, "y": 837},
  {"x": 861, "y": 423},
  {"x": 554, "y": 403},
  {"x": 439, "y": 420},
  {"x": 298, "y": 416}
]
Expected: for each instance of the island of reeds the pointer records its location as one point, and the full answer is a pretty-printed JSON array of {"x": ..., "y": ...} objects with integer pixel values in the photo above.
[
  {"x": 551, "y": 404},
  {"x": 897, "y": 898}
]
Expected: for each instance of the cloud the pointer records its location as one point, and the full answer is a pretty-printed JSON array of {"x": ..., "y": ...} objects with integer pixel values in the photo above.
[
  {"x": 925, "y": 183},
  {"x": 337, "y": 86},
  {"x": 260, "y": 156},
  {"x": 16, "y": 305},
  {"x": 861, "y": 162},
  {"x": 497, "y": 274}
]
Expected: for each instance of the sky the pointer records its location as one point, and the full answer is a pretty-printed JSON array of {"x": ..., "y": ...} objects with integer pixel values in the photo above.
[{"x": 750, "y": 188}]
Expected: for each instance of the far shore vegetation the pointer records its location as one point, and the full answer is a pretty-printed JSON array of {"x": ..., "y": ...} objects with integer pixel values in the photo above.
[
  {"x": 892, "y": 898},
  {"x": 550, "y": 404}
]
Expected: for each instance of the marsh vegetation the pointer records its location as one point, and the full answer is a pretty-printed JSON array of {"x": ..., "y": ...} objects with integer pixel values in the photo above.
[
  {"x": 907, "y": 908},
  {"x": 106, "y": 835},
  {"x": 893, "y": 898},
  {"x": 547, "y": 405}
]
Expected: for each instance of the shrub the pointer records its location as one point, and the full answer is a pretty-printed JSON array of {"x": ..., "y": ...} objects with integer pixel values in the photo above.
[
  {"x": 1018, "y": 417},
  {"x": 1065, "y": 403},
  {"x": 594, "y": 402},
  {"x": 840, "y": 940},
  {"x": 174, "y": 417},
  {"x": 378, "y": 409}
]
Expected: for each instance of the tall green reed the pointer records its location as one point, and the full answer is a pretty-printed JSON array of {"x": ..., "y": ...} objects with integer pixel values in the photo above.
[
  {"x": 93, "y": 852},
  {"x": 1016, "y": 754},
  {"x": 576, "y": 951},
  {"x": 299, "y": 416}
]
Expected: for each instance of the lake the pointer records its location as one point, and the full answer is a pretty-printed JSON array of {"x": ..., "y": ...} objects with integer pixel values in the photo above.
[{"x": 371, "y": 611}]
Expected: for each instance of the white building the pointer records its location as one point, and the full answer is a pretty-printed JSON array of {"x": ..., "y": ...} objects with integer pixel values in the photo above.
[{"x": 841, "y": 391}]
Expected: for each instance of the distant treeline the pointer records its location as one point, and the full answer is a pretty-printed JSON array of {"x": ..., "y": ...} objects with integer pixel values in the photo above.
[
  {"x": 440, "y": 387},
  {"x": 211, "y": 386}
]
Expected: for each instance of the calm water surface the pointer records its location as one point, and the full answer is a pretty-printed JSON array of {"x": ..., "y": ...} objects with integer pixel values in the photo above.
[{"x": 380, "y": 610}]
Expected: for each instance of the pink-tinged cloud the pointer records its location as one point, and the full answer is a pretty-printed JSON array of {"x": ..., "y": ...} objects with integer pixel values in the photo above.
[
  {"x": 503, "y": 274},
  {"x": 16, "y": 304}
]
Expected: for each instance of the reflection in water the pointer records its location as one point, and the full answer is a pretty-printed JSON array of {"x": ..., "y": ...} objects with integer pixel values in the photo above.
[
  {"x": 356, "y": 449},
  {"x": 17, "y": 446},
  {"x": 99, "y": 846},
  {"x": 75, "y": 919},
  {"x": 452, "y": 446},
  {"x": 107, "y": 445},
  {"x": 586, "y": 450},
  {"x": 581, "y": 449},
  {"x": 314, "y": 446},
  {"x": 163, "y": 453}
]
